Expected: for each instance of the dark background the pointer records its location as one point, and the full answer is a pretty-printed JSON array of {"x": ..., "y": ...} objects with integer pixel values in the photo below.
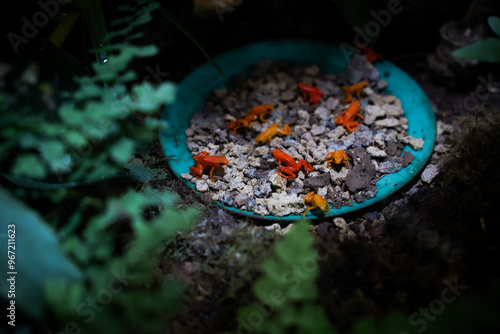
[{"x": 413, "y": 32}]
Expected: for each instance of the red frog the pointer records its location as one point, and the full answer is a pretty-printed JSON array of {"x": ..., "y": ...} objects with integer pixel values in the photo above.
[
  {"x": 337, "y": 157},
  {"x": 256, "y": 113},
  {"x": 203, "y": 160},
  {"x": 317, "y": 202},
  {"x": 349, "y": 91},
  {"x": 347, "y": 118},
  {"x": 292, "y": 167},
  {"x": 313, "y": 93},
  {"x": 371, "y": 55}
]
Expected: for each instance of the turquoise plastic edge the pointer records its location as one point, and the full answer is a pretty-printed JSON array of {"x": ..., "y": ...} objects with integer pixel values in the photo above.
[{"x": 198, "y": 86}]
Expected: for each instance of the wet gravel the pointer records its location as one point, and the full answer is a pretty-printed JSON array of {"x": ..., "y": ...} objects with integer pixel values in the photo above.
[{"x": 250, "y": 182}]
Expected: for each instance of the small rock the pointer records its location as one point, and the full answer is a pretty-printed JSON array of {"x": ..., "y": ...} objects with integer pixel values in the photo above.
[
  {"x": 392, "y": 110},
  {"x": 379, "y": 140},
  {"x": 407, "y": 158},
  {"x": 317, "y": 130},
  {"x": 201, "y": 185},
  {"x": 389, "y": 98},
  {"x": 218, "y": 185},
  {"x": 387, "y": 123},
  {"x": 261, "y": 151},
  {"x": 340, "y": 223},
  {"x": 429, "y": 173},
  {"x": 189, "y": 132},
  {"x": 416, "y": 143},
  {"x": 389, "y": 167},
  {"x": 304, "y": 115},
  {"x": 368, "y": 91},
  {"x": 274, "y": 227},
  {"x": 244, "y": 200},
  {"x": 186, "y": 176},
  {"x": 278, "y": 181},
  {"x": 262, "y": 189},
  {"x": 227, "y": 199},
  {"x": 282, "y": 204},
  {"x": 322, "y": 113},
  {"x": 376, "y": 152},
  {"x": 382, "y": 84},
  {"x": 317, "y": 181},
  {"x": 443, "y": 128},
  {"x": 338, "y": 132},
  {"x": 307, "y": 136},
  {"x": 322, "y": 191},
  {"x": 332, "y": 103},
  {"x": 237, "y": 183},
  {"x": 338, "y": 177}
]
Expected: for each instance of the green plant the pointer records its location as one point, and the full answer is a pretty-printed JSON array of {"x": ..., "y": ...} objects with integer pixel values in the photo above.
[
  {"x": 487, "y": 50},
  {"x": 120, "y": 291},
  {"x": 97, "y": 128},
  {"x": 286, "y": 293}
]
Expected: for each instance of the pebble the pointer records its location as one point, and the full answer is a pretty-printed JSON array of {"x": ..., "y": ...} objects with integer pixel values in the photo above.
[
  {"x": 304, "y": 115},
  {"x": 187, "y": 176},
  {"x": 416, "y": 143},
  {"x": 283, "y": 204},
  {"x": 261, "y": 150},
  {"x": 338, "y": 132},
  {"x": 323, "y": 113},
  {"x": 201, "y": 185},
  {"x": 379, "y": 139},
  {"x": 387, "y": 123},
  {"x": 388, "y": 167},
  {"x": 338, "y": 177},
  {"x": 317, "y": 130},
  {"x": 429, "y": 173},
  {"x": 278, "y": 181},
  {"x": 376, "y": 152},
  {"x": 332, "y": 103}
]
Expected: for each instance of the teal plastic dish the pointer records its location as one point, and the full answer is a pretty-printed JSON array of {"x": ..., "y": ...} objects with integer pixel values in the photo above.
[{"x": 197, "y": 87}]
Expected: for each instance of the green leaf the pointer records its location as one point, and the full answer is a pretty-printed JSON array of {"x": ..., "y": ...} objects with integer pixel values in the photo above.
[
  {"x": 54, "y": 153},
  {"x": 494, "y": 23},
  {"x": 75, "y": 139},
  {"x": 486, "y": 50},
  {"x": 70, "y": 115},
  {"x": 149, "y": 99},
  {"x": 142, "y": 173},
  {"x": 122, "y": 151},
  {"x": 29, "y": 165},
  {"x": 38, "y": 255}
]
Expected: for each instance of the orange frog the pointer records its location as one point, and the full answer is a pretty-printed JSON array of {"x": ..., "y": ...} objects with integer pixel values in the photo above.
[
  {"x": 337, "y": 157},
  {"x": 270, "y": 132},
  {"x": 313, "y": 93},
  {"x": 292, "y": 167},
  {"x": 347, "y": 118},
  {"x": 317, "y": 202},
  {"x": 349, "y": 91},
  {"x": 203, "y": 160},
  {"x": 256, "y": 113}
]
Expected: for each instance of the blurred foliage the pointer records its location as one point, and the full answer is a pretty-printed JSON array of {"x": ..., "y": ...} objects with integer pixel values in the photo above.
[
  {"x": 486, "y": 50},
  {"x": 36, "y": 255},
  {"x": 120, "y": 292},
  {"x": 288, "y": 289},
  {"x": 88, "y": 134}
]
